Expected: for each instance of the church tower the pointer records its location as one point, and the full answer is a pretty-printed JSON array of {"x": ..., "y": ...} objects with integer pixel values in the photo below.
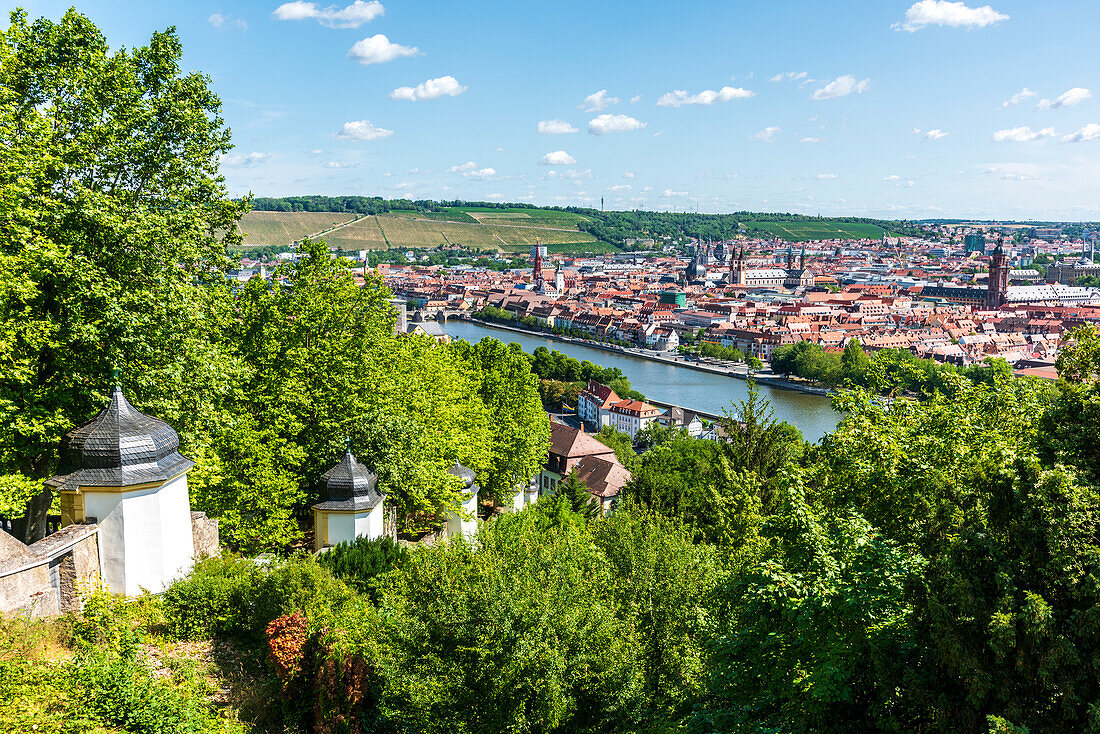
[
  {"x": 538, "y": 252},
  {"x": 790, "y": 257},
  {"x": 737, "y": 268},
  {"x": 802, "y": 258},
  {"x": 998, "y": 277},
  {"x": 559, "y": 280}
]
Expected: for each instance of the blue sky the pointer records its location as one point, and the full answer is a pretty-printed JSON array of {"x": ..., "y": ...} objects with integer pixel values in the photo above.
[{"x": 895, "y": 109}]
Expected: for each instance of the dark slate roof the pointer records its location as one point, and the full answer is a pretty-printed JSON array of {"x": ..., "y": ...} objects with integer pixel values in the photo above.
[
  {"x": 465, "y": 474},
  {"x": 695, "y": 271},
  {"x": 120, "y": 447},
  {"x": 348, "y": 486}
]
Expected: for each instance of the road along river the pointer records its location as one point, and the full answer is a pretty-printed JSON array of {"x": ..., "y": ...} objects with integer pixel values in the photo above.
[{"x": 703, "y": 391}]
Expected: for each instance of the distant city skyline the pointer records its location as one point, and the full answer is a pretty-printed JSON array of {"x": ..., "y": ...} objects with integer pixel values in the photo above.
[{"x": 890, "y": 109}]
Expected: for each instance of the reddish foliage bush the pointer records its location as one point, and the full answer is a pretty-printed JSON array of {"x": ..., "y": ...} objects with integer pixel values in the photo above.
[
  {"x": 341, "y": 687},
  {"x": 286, "y": 639}
]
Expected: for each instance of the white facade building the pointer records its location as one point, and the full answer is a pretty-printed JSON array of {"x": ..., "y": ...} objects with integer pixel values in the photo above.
[
  {"x": 123, "y": 471},
  {"x": 353, "y": 504},
  {"x": 464, "y": 525},
  {"x": 631, "y": 416}
]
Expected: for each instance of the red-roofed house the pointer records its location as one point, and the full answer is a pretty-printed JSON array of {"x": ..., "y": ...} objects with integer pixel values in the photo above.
[
  {"x": 596, "y": 464},
  {"x": 631, "y": 416},
  {"x": 594, "y": 404}
]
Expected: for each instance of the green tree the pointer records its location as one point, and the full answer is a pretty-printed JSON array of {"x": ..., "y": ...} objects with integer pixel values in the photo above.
[
  {"x": 114, "y": 223},
  {"x": 326, "y": 364},
  {"x": 854, "y": 362},
  {"x": 1071, "y": 428},
  {"x": 664, "y": 584},
  {"x": 690, "y": 481},
  {"x": 620, "y": 442},
  {"x": 813, "y": 633},
  {"x": 580, "y": 499},
  {"x": 754, "y": 441},
  {"x": 519, "y": 426}
]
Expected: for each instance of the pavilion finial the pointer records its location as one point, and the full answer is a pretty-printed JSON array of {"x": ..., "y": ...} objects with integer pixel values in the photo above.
[
  {"x": 347, "y": 444},
  {"x": 116, "y": 377}
]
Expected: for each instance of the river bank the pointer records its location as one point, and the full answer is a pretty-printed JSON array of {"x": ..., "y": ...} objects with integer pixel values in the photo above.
[
  {"x": 741, "y": 372},
  {"x": 704, "y": 389}
]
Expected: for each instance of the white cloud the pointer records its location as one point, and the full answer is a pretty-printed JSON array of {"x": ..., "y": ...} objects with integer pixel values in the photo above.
[
  {"x": 892, "y": 177},
  {"x": 635, "y": 99},
  {"x": 619, "y": 187},
  {"x": 826, "y": 176},
  {"x": 557, "y": 158},
  {"x": 363, "y": 130},
  {"x": 225, "y": 23},
  {"x": 555, "y": 127},
  {"x": 1021, "y": 134},
  {"x": 1083, "y": 135},
  {"x": 935, "y": 134},
  {"x": 810, "y": 140},
  {"x": 670, "y": 192},
  {"x": 1019, "y": 97},
  {"x": 573, "y": 174},
  {"x": 788, "y": 76},
  {"x": 628, "y": 174},
  {"x": 598, "y": 101},
  {"x": 766, "y": 135},
  {"x": 840, "y": 87},
  {"x": 338, "y": 164},
  {"x": 679, "y": 97},
  {"x": 1069, "y": 98},
  {"x": 443, "y": 86},
  {"x": 604, "y": 124},
  {"x": 944, "y": 13},
  {"x": 352, "y": 16},
  {"x": 316, "y": 151},
  {"x": 481, "y": 174},
  {"x": 469, "y": 169},
  {"x": 378, "y": 50},
  {"x": 242, "y": 160}
]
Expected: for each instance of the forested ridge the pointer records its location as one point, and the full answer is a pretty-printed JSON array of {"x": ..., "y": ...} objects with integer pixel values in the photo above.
[
  {"x": 933, "y": 565},
  {"x": 612, "y": 227}
]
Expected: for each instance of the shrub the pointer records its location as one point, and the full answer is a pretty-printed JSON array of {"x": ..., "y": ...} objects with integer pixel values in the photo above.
[
  {"x": 359, "y": 562},
  {"x": 234, "y": 596},
  {"x": 212, "y": 599},
  {"x": 286, "y": 640},
  {"x": 299, "y": 584}
]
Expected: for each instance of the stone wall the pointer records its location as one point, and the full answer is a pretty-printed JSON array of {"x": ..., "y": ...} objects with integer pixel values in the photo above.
[
  {"x": 205, "y": 534},
  {"x": 42, "y": 579}
]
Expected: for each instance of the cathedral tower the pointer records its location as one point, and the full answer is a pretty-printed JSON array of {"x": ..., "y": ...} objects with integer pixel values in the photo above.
[{"x": 998, "y": 277}]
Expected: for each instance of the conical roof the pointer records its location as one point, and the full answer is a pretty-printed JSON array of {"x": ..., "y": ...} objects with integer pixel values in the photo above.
[
  {"x": 348, "y": 486},
  {"x": 464, "y": 473},
  {"x": 120, "y": 447}
]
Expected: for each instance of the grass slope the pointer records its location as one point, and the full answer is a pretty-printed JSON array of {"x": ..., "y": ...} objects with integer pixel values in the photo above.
[
  {"x": 283, "y": 228},
  {"x": 380, "y": 232}
]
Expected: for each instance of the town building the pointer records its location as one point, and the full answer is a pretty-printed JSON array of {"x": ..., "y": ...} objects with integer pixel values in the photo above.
[
  {"x": 631, "y": 416},
  {"x": 594, "y": 404},
  {"x": 595, "y": 464}
]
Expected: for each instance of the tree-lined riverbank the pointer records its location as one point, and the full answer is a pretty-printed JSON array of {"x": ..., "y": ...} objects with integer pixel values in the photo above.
[{"x": 700, "y": 387}]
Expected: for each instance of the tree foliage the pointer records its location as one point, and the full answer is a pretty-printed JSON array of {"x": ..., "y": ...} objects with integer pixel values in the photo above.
[{"x": 113, "y": 229}]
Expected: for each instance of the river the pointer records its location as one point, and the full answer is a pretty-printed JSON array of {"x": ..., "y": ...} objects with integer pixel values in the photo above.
[{"x": 689, "y": 388}]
